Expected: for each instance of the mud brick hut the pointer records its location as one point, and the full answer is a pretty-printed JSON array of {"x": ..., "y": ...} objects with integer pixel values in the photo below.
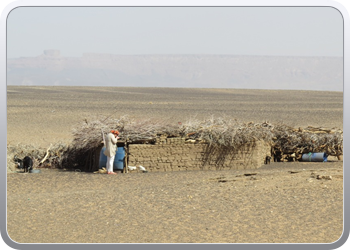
[
  {"x": 179, "y": 154},
  {"x": 212, "y": 144}
]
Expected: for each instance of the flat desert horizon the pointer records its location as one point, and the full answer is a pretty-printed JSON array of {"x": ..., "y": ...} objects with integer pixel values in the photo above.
[{"x": 41, "y": 115}]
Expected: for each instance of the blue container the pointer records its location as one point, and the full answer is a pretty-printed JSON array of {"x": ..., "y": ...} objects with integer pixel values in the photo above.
[
  {"x": 315, "y": 157},
  {"x": 118, "y": 163}
]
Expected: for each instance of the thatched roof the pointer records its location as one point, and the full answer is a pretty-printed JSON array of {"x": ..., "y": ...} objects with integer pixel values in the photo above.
[
  {"x": 219, "y": 133},
  {"x": 222, "y": 136}
]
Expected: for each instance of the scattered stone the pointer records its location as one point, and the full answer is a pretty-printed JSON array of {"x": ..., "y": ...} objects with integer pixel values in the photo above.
[
  {"x": 324, "y": 177},
  {"x": 321, "y": 177},
  {"x": 294, "y": 172},
  {"x": 226, "y": 180},
  {"x": 250, "y": 174},
  {"x": 101, "y": 171}
]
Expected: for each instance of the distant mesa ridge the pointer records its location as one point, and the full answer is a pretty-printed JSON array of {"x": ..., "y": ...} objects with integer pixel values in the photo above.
[
  {"x": 205, "y": 71},
  {"x": 52, "y": 52}
]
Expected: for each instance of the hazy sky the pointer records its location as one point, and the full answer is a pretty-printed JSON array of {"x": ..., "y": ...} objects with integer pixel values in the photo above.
[{"x": 285, "y": 31}]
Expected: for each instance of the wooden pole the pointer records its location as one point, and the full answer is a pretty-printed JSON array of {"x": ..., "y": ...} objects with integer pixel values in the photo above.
[
  {"x": 125, "y": 169},
  {"x": 47, "y": 154}
]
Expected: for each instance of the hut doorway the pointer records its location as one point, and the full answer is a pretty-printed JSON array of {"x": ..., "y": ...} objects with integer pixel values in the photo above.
[{"x": 119, "y": 160}]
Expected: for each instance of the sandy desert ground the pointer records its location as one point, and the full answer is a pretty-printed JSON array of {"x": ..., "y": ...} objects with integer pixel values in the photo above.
[{"x": 280, "y": 202}]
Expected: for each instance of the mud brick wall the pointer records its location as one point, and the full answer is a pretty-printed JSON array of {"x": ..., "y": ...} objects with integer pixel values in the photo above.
[{"x": 174, "y": 154}]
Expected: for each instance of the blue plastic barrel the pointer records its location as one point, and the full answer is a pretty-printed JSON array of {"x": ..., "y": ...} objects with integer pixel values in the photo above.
[
  {"x": 315, "y": 157},
  {"x": 119, "y": 159},
  {"x": 118, "y": 163}
]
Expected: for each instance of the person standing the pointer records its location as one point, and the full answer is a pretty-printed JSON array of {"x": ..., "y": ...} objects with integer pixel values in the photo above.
[{"x": 111, "y": 149}]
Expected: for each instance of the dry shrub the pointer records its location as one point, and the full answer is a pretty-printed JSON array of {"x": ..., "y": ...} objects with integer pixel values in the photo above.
[{"x": 51, "y": 157}]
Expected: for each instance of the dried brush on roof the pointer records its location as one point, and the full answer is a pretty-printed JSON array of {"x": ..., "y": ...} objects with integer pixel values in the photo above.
[
  {"x": 222, "y": 135},
  {"x": 311, "y": 139}
]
